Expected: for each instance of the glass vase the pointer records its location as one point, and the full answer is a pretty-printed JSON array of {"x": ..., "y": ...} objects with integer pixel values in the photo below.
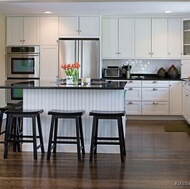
[
  {"x": 75, "y": 78},
  {"x": 69, "y": 80}
]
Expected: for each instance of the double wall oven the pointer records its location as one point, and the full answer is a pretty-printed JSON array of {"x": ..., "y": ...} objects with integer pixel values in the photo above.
[{"x": 22, "y": 69}]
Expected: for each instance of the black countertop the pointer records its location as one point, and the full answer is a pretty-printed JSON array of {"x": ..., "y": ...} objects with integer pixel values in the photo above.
[
  {"x": 36, "y": 84},
  {"x": 144, "y": 77}
]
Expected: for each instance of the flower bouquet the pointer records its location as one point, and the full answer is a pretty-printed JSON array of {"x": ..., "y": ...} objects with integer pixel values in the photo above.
[{"x": 72, "y": 72}]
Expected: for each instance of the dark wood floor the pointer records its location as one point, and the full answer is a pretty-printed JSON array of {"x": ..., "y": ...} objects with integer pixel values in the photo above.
[{"x": 155, "y": 159}]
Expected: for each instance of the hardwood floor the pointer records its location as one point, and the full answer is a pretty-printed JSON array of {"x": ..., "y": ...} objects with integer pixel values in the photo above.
[{"x": 155, "y": 159}]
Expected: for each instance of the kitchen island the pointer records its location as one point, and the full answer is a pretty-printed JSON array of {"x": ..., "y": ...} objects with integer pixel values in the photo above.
[{"x": 56, "y": 95}]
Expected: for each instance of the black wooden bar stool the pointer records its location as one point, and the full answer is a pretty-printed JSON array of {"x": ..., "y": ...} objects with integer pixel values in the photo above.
[
  {"x": 55, "y": 139},
  {"x": 14, "y": 129},
  {"x": 95, "y": 140},
  {"x": 2, "y": 111}
]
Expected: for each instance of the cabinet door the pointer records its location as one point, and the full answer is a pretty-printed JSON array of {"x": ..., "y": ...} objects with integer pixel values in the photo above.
[
  {"x": 31, "y": 31},
  {"x": 175, "y": 97},
  {"x": 174, "y": 38},
  {"x": 68, "y": 26},
  {"x": 133, "y": 108},
  {"x": 159, "y": 38},
  {"x": 48, "y": 30},
  {"x": 14, "y": 30},
  {"x": 110, "y": 38},
  {"x": 185, "y": 68},
  {"x": 133, "y": 94},
  {"x": 142, "y": 38},
  {"x": 126, "y": 38},
  {"x": 48, "y": 62},
  {"x": 89, "y": 26},
  {"x": 186, "y": 37}
]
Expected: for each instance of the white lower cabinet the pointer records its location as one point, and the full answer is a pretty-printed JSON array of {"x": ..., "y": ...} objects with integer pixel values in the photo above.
[{"x": 133, "y": 107}]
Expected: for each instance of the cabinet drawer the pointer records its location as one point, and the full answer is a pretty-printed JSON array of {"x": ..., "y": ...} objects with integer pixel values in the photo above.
[
  {"x": 133, "y": 93},
  {"x": 132, "y": 83},
  {"x": 155, "y": 83},
  {"x": 155, "y": 94},
  {"x": 133, "y": 108},
  {"x": 155, "y": 108}
]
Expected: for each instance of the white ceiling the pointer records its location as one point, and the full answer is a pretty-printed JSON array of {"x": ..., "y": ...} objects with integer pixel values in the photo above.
[{"x": 78, "y": 7}]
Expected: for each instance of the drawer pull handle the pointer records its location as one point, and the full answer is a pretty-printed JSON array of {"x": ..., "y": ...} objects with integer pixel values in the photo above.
[
  {"x": 130, "y": 88},
  {"x": 154, "y": 89},
  {"x": 155, "y": 103},
  {"x": 130, "y": 81},
  {"x": 154, "y": 82},
  {"x": 130, "y": 102}
]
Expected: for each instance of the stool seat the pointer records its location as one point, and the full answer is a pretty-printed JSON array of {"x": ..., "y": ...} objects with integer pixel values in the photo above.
[
  {"x": 14, "y": 131},
  {"x": 96, "y": 140},
  {"x": 55, "y": 139},
  {"x": 66, "y": 112},
  {"x": 106, "y": 113}
]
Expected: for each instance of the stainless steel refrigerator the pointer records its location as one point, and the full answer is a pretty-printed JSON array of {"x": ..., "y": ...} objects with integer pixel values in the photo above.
[{"x": 84, "y": 51}]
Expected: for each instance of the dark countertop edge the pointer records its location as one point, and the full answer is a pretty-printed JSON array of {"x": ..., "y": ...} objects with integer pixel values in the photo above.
[{"x": 145, "y": 77}]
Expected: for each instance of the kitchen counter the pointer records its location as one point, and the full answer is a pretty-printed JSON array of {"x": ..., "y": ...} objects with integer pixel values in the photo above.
[
  {"x": 100, "y": 95},
  {"x": 144, "y": 77}
]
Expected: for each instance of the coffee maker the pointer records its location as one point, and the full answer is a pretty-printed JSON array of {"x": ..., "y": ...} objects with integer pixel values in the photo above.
[{"x": 126, "y": 71}]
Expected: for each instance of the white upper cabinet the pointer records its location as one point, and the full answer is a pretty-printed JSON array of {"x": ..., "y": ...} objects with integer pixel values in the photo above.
[
  {"x": 48, "y": 30},
  {"x": 186, "y": 38},
  {"x": 174, "y": 38},
  {"x": 142, "y": 38},
  {"x": 22, "y": 31},
  {"x": 117, "y": 38},
  {"x": 75, "y": 26},
  {"x": 159, "y": 38}
]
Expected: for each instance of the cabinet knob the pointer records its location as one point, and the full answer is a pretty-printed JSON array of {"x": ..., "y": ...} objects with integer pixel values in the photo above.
[
  {"x": 130, "y": 88},
  {"x": 154, "y": 89},
  {"x": 130, "y": 81},
  {"x": 154, "y": 82},
  {"x": 155, "y": 103},
  {"x": 130, "y": 102}
]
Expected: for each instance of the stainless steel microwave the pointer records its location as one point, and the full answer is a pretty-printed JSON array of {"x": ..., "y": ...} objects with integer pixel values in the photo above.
[{"x": 112, "y": 72}]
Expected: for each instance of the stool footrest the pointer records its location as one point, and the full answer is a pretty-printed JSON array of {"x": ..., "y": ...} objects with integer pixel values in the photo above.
[
  {"x": 107, "y": 138},
  {"x": 64, "y": 142},
  {"x": 116, "y": 143}
]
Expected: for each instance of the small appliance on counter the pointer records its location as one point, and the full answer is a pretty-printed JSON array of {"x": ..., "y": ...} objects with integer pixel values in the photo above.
[
  {"x": 112, "y": 71},
  {"x": 126, "y": 71}
]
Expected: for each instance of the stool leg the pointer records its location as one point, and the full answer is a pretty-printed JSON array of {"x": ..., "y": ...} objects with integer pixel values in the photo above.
[
  {"x": 96, "y": 135},
  {"x": 78, "y": 138},
  {"x": 50, "y": 137},
  {"x": 55, "y": 136},
  {"x": 124, "y": 148},
  {"x": 121, "y": 139},
  {"x": 93, "y": 138},
  {"x": 40, "y": 133},
  {"x": 34, "y": 137},
  {"x": 81, "y": 135},
  {"x": 7, "y": 134}
]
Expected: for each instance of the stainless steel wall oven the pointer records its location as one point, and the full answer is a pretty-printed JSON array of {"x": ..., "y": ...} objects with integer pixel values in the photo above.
[
  {"x": 23, "y": 62},
  {"x": 22, "y": 69}
]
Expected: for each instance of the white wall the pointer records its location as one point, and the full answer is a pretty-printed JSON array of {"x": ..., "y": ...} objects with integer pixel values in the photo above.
[{"x": 2, "y": 57}]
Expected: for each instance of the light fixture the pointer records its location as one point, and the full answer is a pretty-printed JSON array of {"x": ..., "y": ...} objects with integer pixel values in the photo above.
[
  {"x": 167, "y": 11},
  {"x": 47, "y": 12}
]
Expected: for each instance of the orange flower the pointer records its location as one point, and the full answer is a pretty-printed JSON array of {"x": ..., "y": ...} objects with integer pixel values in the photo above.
[{"x": 71, "y": 69}]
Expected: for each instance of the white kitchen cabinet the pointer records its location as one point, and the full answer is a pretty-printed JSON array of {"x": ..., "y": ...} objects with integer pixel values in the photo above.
[
  {"x": 174, "y": 38},
  {"x": 159, "y": 38},
  {"x": 117, "y": 38},
  {"x": 185, "y": 68},
  {"x": 155, "y": 98},
  {"x": 186, "y": 38},
  {"x": 48, "y": 62},
  {"x": 175, "y": 97},
  {"x": 48, "y": 30},
  {"x": 22, "y": 31},
  {"x": 74, "y": 26},
  {"x": 133, "y": 97},
  {"x": 186, "y": 101},
  {"x": 143, "y": 38}
]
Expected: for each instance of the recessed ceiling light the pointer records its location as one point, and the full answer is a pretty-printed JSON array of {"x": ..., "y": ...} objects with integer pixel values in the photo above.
[
  {"x": 47, "y": 12},
  {"x": 168, "y": 11}
]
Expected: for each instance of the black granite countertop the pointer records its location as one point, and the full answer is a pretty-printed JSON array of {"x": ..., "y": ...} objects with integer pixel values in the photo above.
[
  {"x": 36, "y": 84},
  {"x": 143, "y": 77}
]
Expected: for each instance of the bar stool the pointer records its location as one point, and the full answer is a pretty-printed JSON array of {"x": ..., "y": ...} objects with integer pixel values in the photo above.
[
  {"x": 54, "y": 139},
  {"x": 17, "y": 136},
  {"x": 95, "y": 140},
  {"x": 2, "y": 111}
]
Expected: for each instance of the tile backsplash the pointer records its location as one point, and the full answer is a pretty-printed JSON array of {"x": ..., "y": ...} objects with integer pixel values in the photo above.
[{"x": 144, "y": 66}]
